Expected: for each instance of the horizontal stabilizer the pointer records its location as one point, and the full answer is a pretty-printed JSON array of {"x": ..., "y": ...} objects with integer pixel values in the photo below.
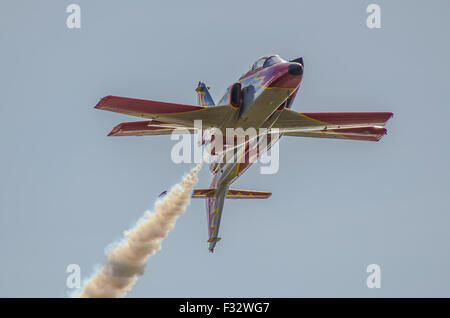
[
  {"x": 247, "y": 194},
  {"x": 232, "y": 194},
  {"x": 203, "y": 193}
]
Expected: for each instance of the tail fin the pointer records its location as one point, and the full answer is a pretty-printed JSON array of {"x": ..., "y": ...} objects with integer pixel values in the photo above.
[
  {"x": 203, "y": 96},
  {"x": 232, "y": 194}
]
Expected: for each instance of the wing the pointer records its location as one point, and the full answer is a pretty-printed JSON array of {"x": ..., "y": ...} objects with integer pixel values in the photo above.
[
  {"x": 166, "y": 112},
  {"x": 356, "y": 126},
  {"x": 148, "y": 127}
]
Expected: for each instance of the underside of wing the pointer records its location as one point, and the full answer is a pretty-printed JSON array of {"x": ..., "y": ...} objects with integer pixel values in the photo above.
[
  {"x": 165, "y": 112},
  {"x": 369, "y": 133},
  {"x": 148, "y": 127},
  {"x": 355, "y": 126}
]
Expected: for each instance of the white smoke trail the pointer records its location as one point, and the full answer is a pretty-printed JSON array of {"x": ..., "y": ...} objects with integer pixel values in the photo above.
[{"x": 127, "y": 261}]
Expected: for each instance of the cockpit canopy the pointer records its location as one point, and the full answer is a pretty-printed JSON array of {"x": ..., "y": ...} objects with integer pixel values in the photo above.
[{"x": 267, "y": 61}]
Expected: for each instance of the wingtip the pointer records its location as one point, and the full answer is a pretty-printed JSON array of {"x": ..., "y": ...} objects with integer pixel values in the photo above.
[
  {"x": 381, "y": 135},
  {"x": 102, "y": 102},
  {"x": 115, "y": 130}
]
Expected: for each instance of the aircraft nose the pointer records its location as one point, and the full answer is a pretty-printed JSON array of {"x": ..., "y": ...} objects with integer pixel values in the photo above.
[
  {"x": 287, "y": 75},
  {"x": 295, "y": 69}
]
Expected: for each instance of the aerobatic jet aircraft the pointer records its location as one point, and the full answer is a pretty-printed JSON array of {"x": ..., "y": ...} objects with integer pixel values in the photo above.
[{"x": 260, "y": 98}]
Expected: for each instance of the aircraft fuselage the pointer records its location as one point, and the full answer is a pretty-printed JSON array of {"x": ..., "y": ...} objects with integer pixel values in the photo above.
[{"x": 265, "y": 92}]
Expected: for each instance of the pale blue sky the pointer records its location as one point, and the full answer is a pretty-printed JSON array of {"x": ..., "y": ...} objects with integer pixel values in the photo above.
[{"x": 67, "y": 191}]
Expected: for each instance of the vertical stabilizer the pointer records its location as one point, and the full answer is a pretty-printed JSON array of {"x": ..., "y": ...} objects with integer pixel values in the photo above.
[{"x": 203, "y": 96}]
